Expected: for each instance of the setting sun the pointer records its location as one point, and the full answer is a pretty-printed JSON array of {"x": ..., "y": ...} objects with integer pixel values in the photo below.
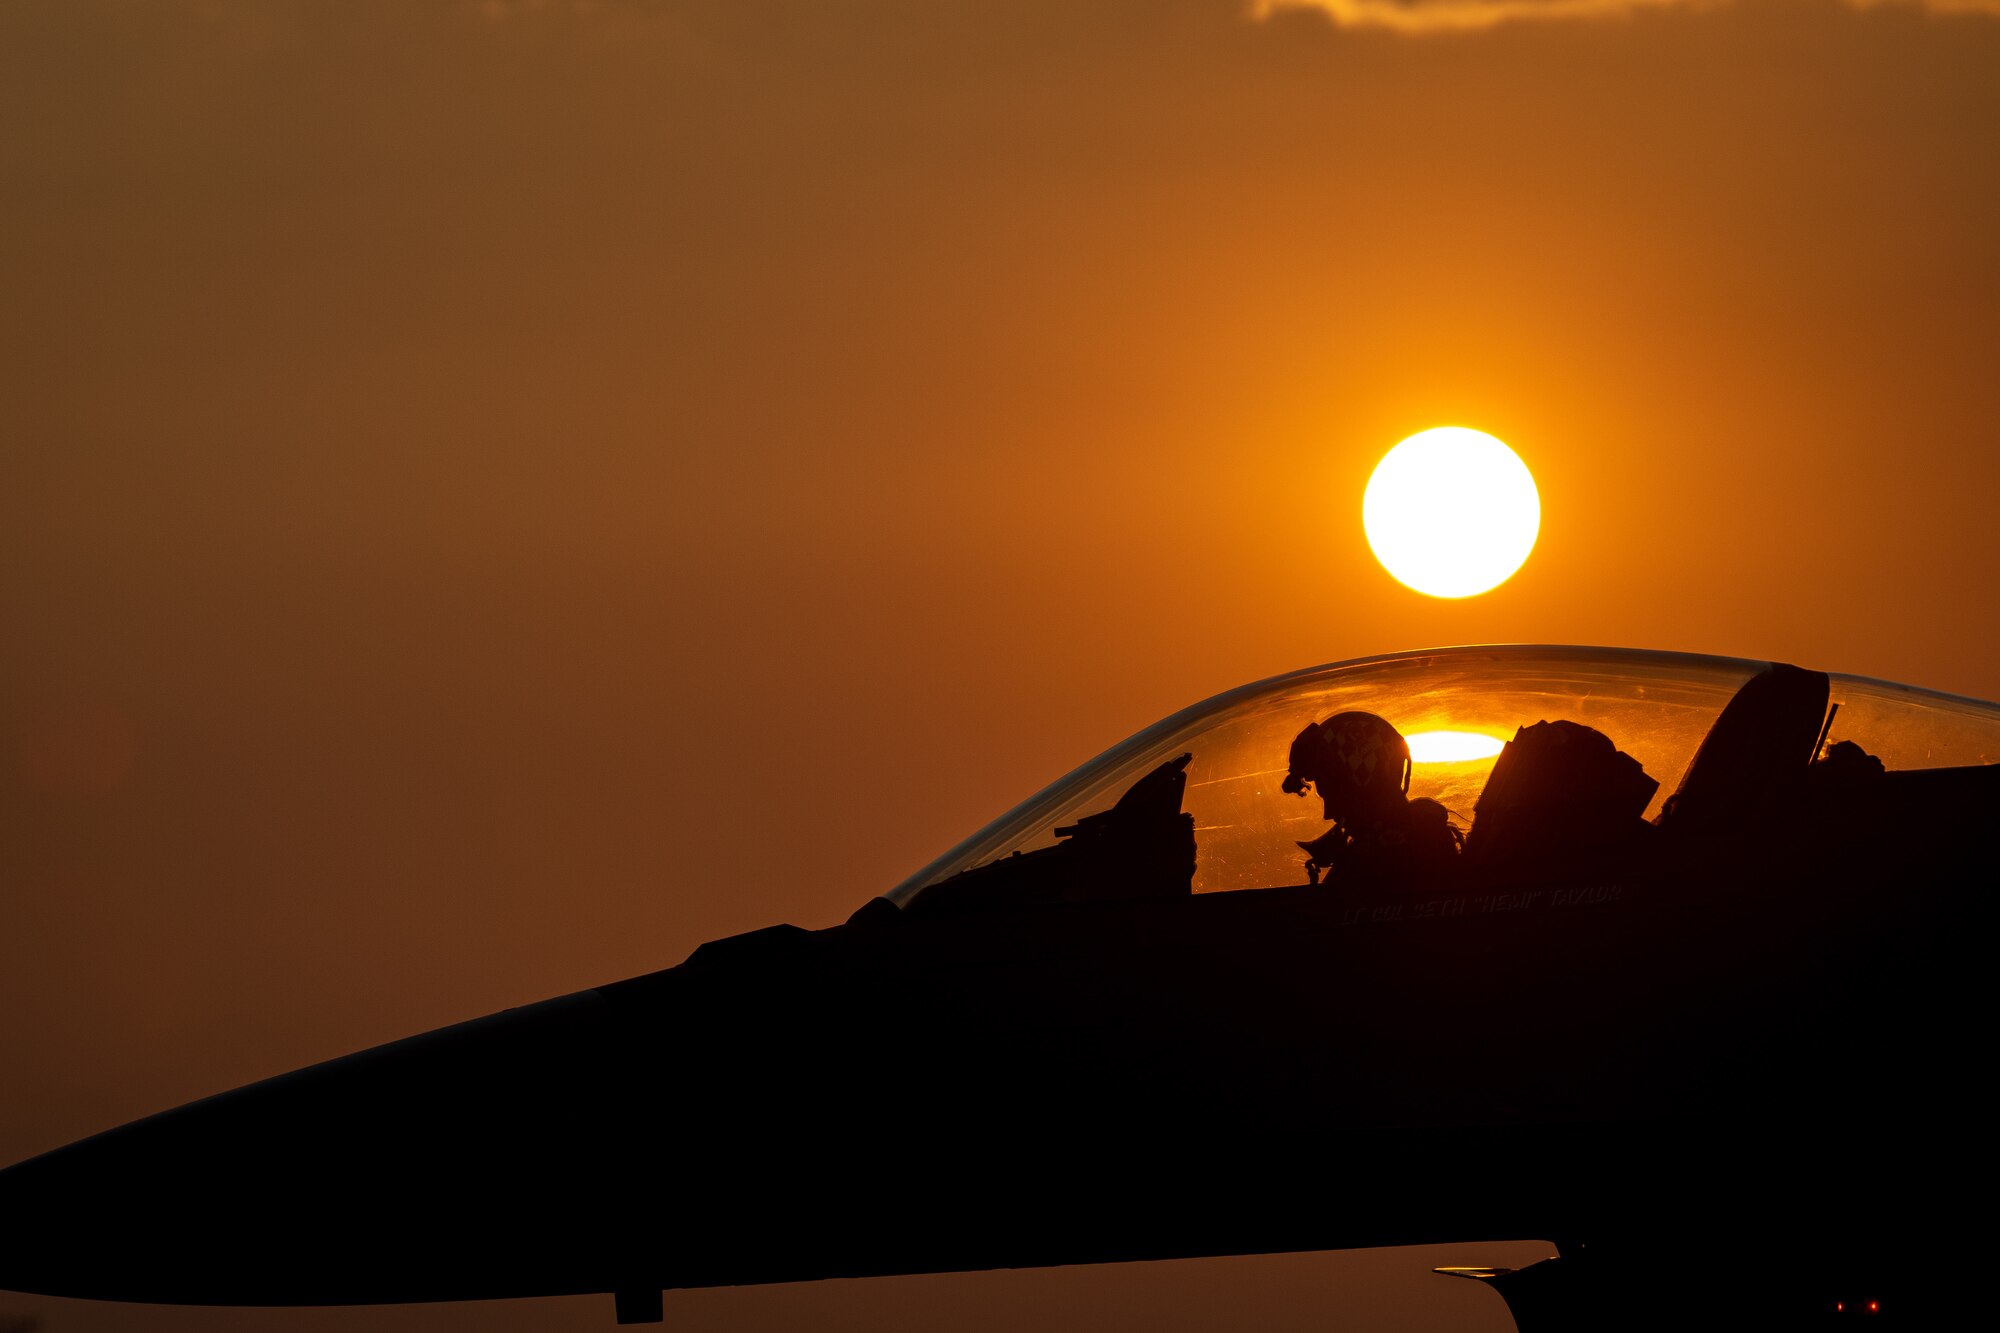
[{"x": 1451, "y": 512}]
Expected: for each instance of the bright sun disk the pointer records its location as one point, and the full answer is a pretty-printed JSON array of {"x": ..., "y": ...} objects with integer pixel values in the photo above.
[{"x": 1451, "y": 512}]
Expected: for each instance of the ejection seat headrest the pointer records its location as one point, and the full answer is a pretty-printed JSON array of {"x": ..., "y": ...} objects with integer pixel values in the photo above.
[{"x": 1759, "y": 749}]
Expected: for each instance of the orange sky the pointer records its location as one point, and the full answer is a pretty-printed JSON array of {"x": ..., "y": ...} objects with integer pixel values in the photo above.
[{"x": 492, "y": 496}]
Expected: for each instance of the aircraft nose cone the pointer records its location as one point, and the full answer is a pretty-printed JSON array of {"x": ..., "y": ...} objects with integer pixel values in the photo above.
[
  {"x": 38, "y": 1249},
  {"x": 445, "y": 1162}
]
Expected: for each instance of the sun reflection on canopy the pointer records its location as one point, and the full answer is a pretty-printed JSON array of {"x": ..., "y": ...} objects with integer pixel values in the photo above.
[{"x": 1452, "y": 747}]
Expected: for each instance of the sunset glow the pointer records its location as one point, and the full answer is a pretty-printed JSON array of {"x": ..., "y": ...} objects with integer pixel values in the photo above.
[
  {"x": 1451, "y": 512},
  {"x": 499, "y": 494},
  {"x": 1452, "y": 747}
]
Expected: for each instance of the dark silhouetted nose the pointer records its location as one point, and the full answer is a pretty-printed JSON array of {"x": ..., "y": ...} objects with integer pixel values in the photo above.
[{"x": 394, "y": 1174}]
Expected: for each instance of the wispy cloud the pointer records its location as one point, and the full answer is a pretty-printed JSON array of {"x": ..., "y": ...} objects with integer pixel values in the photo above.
[
  {"x": 1989, "y": 8},
  {"x": 1461, "y": 15},
  {"x": 1426, "y": 16},
  {"x": 499, "y": 10}
]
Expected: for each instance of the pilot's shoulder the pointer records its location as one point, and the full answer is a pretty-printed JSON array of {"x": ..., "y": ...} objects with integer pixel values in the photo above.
[
  {"x": 1423, "y": 810},
  {"x": 1430, "y": 828}
]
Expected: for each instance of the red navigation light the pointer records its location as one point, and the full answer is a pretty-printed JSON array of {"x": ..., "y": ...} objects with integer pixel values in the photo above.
[{"x": 1874, "y": 1307}]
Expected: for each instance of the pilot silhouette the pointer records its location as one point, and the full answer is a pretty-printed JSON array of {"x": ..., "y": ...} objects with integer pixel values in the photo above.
[{"x": 1360, "y": 766}]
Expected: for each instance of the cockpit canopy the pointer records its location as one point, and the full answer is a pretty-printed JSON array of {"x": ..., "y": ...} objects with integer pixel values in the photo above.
[{"x": 1456, "y": 707}]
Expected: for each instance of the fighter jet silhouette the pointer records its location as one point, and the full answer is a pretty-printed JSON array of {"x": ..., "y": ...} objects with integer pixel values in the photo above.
[{"x": 1174, "y": 1006}]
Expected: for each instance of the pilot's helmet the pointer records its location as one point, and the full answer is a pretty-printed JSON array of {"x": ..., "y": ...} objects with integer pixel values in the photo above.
[{"x": 1350, "y": 754}]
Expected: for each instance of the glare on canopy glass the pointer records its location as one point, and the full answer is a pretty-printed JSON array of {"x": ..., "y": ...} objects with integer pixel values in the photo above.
[
  {"x": 1455, "y": 707},
  {"x": 1451, "y": 512},
  {"x": 1453, "y": 747}
]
